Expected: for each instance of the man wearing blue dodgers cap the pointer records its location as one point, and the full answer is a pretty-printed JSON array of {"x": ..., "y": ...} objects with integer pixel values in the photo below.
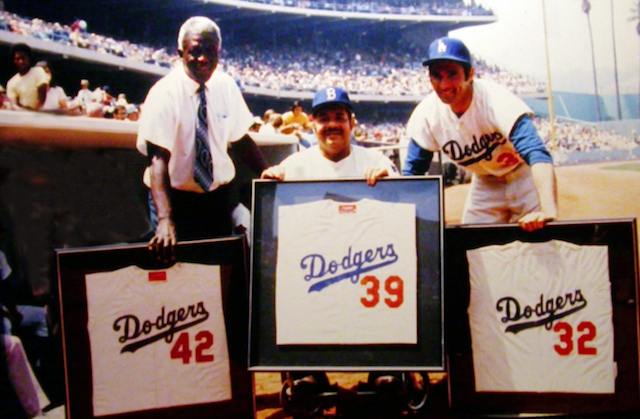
[
  {"x": 486, "y": 130},
  {"x": 334, "y": 156}
]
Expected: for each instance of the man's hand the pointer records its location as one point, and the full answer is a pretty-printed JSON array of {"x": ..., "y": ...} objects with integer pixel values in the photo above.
[
  {"x": 273, "y": 172},
  {"x": 164, "y": 242},
  {"x": 373, "y": 174},
  {"x": 534, "y": 221}
]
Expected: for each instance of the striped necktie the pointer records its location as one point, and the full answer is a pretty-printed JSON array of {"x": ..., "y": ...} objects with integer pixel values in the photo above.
[{"x": 203, "y": 168}]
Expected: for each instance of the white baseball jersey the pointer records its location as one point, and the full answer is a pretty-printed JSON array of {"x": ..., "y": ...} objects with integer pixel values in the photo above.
[
  {"x": 541, "y": 318},
  {"x": 479, "y": 139},
  {"x": 346, "y": 273},
  {"x": 310, "y": 164},
  {"x": 157, "y": 338}
]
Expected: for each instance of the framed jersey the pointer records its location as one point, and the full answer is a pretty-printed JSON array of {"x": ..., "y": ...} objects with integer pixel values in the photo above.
[
  {"x": 543, "y": 322},
  {"x": 347, "y": 277},
  {"x": 143, "y": 339}
]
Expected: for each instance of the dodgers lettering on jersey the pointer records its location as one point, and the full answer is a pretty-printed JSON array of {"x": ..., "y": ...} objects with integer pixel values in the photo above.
[
  {"x": 346, "y": 273},
  {"x": 157, "y": 338},
  {"x": 479, "y": 139},
  {"x": 541, "y": 318}
]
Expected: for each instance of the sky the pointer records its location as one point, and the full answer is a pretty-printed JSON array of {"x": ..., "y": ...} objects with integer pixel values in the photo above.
[{"x": 516, "y": 42}]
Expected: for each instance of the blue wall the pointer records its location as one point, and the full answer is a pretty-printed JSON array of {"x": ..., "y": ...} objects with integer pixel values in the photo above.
[{"x": 582, "y": 106}]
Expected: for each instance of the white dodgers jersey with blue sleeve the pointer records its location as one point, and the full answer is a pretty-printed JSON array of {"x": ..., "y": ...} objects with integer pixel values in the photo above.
[
  {"x": 541, "y": 318},
  {"x": 157, "y": 338},
  {"x": 346, "y": 273},
  {"x": 478, "y": 140}
]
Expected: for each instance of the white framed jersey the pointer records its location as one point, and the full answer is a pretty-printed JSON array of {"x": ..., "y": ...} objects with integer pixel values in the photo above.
[
  {"x": 157, "y": 338},
  {"x": 541, "y": 318},
  {"x": 346, "y": 273}
]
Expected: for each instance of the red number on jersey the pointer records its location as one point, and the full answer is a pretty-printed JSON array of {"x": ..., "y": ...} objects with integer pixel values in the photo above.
[
  {"x": 395, "y": 288},
  {"x": 181, "y": 349},
  {"x": 587, "y": 337},
  {"x": 207, "y": 341},
  {"x": 566, "y": 338},
  {"x": 373, "y": 291}
]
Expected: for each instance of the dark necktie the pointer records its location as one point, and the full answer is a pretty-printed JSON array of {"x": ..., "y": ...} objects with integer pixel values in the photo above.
[{"x": 203, "y": 169}]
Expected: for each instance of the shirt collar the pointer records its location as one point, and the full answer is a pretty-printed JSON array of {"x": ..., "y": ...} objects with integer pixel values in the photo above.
[{"x": 192, "y": 85}]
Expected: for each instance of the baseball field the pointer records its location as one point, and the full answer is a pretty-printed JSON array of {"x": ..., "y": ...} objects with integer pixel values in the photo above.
[{"x": 586, "y": 192}]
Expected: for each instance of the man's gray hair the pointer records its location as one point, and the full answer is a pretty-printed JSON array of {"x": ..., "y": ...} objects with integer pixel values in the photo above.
[{"x": 198, "y": 25}]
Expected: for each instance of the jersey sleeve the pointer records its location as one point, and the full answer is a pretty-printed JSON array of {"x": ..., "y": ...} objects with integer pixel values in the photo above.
[{"x": 528, "y": 144}]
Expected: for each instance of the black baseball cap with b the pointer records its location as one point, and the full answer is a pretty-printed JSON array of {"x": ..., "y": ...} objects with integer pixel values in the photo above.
[
  {"x": 330, "y": 95},
  {"x": 448, "y": 49}
]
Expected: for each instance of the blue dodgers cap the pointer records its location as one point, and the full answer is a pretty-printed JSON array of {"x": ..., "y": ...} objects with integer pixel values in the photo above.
[
  {"x": 329, "y": 95},
  {"x": 448, "y": 49}
]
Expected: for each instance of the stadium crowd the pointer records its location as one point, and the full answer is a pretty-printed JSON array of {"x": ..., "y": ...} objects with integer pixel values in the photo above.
[
  {"x": 434, "y": 7},
  {"x": 374, "y": 72},
  {"x": 572, "y": 137}
]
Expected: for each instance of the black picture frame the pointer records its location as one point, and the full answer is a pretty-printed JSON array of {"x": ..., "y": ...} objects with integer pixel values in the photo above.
[
  {"x": 619, "y": 235},
  {"x": 74, "y": 264},
  {"x": 427, "y": 355}
]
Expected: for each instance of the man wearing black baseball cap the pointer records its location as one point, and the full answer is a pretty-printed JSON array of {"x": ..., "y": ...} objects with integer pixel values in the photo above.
[
  {"x": 486, "y": 130},
  {"x": 334, "y": 156}
]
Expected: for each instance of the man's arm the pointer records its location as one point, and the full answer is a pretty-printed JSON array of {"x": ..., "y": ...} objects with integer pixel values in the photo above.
[
  {"x": 249, "y": 152},
  {"x": 530, "y": 146},
  {"x": 544, "y": 178},
  {"x": 418, "y": 160},
  {"x": 165, "y": 238}
]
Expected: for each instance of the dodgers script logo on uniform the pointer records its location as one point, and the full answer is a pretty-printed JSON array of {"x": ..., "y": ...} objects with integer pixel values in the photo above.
[
  {"x": 132, "y": 328},
  {"x": 544, "y": 313},
  {"x": 480, "y": 148},
  {"x": 350, "y": 267}
]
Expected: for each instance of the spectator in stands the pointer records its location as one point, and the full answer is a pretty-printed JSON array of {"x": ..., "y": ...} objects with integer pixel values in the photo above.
[
  {"x": 108, "y": 101},
  {"x": 96, "y": 95},
  {"x": 84, "y": 96},
  {"x": 5, "y": 103},
  {"x": 267, "y": 115},
  {"x": 257, "y": 123},
  {"x": 27, "y": 89},
  {"x": 120, "y": 113},
  {"x": 189, "y": 163},
  {"x": 122, "y": 99},
  {"x": 273, "y": 125},
  {"x": 133, "y": 112},
  {"x": 295, "y": 120},
  {"x": 56, "y": 97}
]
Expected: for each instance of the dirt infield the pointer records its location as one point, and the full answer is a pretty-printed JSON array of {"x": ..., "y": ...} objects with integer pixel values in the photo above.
[
  {"x": 595, "y": 191},
  {"x": 588, "y": 192}
]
